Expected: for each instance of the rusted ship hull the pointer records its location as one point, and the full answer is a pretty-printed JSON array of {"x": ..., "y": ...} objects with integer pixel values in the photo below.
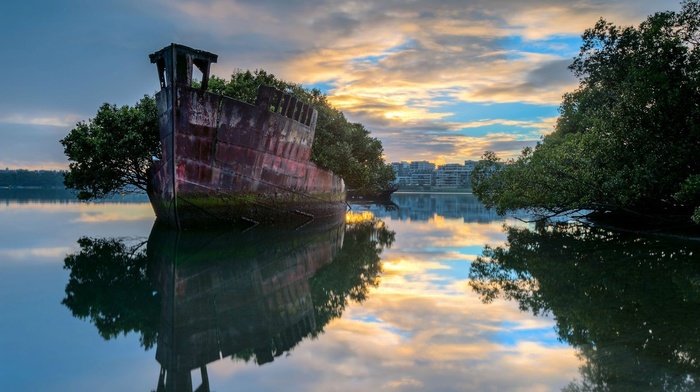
[{"x": 225, "y": 161}]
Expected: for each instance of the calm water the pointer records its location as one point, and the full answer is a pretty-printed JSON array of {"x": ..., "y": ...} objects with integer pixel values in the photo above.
[{"x": 97, "y": 297}]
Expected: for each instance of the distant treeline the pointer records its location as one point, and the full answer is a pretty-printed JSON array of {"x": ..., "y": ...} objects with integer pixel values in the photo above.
[{"x": 23, "y": 178}]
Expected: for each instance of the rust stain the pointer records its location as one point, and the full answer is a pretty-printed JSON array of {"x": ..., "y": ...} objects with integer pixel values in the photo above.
[{"x": 261, "y": 152}]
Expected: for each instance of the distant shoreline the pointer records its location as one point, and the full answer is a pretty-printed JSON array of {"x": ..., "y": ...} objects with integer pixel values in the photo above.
[
  {"x": 437, "y": 191},
  {"x": 31, "y": 179},
  {"x": 33, "y": 187}
]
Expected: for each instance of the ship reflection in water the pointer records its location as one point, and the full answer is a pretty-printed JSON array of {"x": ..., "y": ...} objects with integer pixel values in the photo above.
[
  {"x": 202, "y": 296},
  {"x": 234, "y": 294}
]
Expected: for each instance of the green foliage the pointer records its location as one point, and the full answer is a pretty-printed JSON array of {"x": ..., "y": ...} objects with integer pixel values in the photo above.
[
  {"x": 110, "y": 153},
  {"x": 343, "y": 147},
  {"x": 629, "y": 303},
  {"x": 627, "y": 137},
  {"x": 690, "y": 193}
]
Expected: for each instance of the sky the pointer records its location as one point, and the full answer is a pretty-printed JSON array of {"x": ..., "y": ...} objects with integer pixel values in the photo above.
[{"x": 436, "y": 80}]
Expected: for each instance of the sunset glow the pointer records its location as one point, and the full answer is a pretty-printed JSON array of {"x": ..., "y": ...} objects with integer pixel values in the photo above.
[{"x": 438, "y": 81}]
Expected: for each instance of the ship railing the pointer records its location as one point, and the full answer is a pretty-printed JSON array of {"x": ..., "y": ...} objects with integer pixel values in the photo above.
[{"x": 287, "y": 105}]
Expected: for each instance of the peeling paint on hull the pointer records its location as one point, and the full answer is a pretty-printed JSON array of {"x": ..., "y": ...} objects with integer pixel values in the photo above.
[{"x": 225, "y": 161}]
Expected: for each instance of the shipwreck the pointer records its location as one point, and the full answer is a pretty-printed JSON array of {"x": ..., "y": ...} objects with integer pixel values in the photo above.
[{"x": 225, "y": 161}]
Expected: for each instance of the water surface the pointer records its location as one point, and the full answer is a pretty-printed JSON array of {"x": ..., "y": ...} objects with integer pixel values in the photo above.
[{"x": 403, "y": 297}]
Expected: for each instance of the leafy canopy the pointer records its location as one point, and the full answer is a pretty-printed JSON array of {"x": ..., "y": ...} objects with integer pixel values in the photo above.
[
  {"x": 626, "y": 139},
  {"x": 344, "y": 147},
  {"x": 110, "y": 153}
]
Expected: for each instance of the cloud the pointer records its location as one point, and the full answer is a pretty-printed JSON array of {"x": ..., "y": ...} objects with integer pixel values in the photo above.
[
  {"x": 111, "y": 212},
  {"x": 102, "y": 217},
  {"x": 422, "y": 329},
  {"x": 32, "y": 146},
  {"x": 403, "y": 266},
  {"x": 432, "y": 327},
  {"x": 86, "y": 212},
  {"x": 62, "y": 120},
  {"x": 443, "y": 232},
  {"x": 34, "y": 254},
  {"x": 450, "y": 148},
  {"x": 427, "y": 44},
  {"x": 399, "y": 66},
  {"x": 401, "y": 69}
]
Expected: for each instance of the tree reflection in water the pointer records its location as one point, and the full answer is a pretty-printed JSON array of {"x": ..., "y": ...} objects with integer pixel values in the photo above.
[
  {"x": 201, "y": 296},
  {"x": 109, "y": 285},
  {"x": 354, "y": 270},
  {"x": 630, "y": 304}
]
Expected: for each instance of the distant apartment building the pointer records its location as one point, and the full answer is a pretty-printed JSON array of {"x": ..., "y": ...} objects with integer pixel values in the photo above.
[
  {"x": 422, "y": 166},
  {"x": 425, "y": 174},
  {"x": 402, "y": 173},
  {"x": 422, "y": 173},
  {"x": 451, "y": 175},
  {"x": 417, "y": 173},
  {"x": 470, "y": 165},
  {"x": 402, "y": 170},
  {"x": 401, "y": 167}
]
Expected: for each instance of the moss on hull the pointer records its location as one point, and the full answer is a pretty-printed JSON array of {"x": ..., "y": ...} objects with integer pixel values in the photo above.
[{"x": 203, "y": 210}]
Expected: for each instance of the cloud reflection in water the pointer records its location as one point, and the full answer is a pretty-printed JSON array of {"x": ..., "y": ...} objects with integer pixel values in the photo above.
[{"x": 423, "y": 328}]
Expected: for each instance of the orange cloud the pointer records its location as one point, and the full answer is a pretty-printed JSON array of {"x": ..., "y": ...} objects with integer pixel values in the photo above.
[{"x": 397, "y": 68}]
